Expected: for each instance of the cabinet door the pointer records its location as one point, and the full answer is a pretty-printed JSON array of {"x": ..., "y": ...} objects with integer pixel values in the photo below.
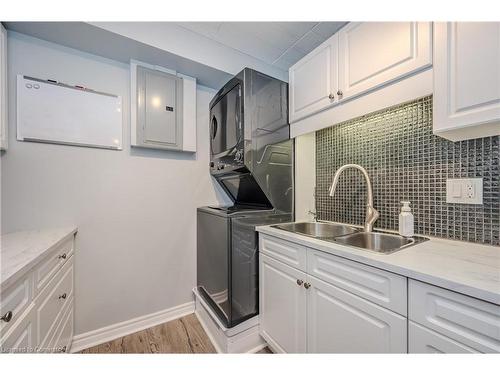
[
  {"x": 159, "y": 109},
  {"x": 61, "y": 341},
  {"x": 424, "y": 340},
  {"x": 373, "y": 54},
  {"x": 314, "y": 81},
  {"x": 340, "y": 322},
  {"x": 282, "y": 306},
  {"x": 467, "y": 79}
]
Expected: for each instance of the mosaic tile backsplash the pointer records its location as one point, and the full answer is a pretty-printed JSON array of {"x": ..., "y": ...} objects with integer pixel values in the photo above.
[{"x": 405, "y": 161}]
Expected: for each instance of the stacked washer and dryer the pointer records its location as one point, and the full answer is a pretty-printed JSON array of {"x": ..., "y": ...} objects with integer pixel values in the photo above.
[{"x": 252, "y": 159}]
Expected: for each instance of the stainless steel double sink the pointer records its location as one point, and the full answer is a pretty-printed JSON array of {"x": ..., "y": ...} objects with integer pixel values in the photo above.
[{"x": 380, "y": 242}]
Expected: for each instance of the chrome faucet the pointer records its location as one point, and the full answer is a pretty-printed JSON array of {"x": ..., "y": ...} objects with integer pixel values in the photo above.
[{"x": 371, "y": 213}]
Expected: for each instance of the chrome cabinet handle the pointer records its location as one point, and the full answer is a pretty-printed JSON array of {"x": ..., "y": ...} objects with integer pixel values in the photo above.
[
  {"x": 331, "y": 96},
  {"x": 7, "y": 316},
  {"x": 62, "y": 256},
  {"x": 299, "y": 282},
  {"x": 63, "y": 296},
  {"x": 307, "y": 285},
  {"x": 340, "y": 93}
]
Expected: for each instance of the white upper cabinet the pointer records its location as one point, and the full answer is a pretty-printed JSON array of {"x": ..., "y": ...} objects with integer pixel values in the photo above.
[
  {"x": 314, "y": 81},
  {"x": 466, "y": 80},
  {"x": 379, "y": 64},
  {"x": 3, "y": 89},
  {"x": 373, "y": 54}
]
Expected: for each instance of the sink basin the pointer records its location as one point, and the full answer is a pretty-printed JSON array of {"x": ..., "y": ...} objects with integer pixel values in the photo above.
[
  {"x": 382, "y": 243},
  {"x": 374, "y": 241},
  {"x": 318, "y": 230}
]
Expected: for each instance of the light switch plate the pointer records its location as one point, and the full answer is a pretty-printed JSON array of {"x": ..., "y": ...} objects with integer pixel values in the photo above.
[{"x": 464, "y": 190}]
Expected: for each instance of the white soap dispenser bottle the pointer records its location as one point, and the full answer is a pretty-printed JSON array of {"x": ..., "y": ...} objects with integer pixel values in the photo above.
[{"x": 406, "y": 220}]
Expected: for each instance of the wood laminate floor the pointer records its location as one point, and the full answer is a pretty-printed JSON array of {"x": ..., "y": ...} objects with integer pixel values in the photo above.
[{"x": 183, "y": 335}]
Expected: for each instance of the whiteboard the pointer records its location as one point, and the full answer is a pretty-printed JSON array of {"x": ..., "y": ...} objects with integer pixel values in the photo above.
[{"x": 58, "y": 113}]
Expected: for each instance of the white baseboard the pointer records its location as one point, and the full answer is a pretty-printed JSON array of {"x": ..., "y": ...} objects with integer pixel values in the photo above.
[{"x": 114, "y": 331}]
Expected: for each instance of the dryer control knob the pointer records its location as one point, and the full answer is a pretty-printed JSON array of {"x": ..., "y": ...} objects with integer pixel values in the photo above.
[{"x": 238, "y": 156}]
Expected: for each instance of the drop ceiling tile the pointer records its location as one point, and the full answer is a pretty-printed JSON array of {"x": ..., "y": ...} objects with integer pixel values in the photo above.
[
  {"x": 297, "y": 29},
  {"x": 290, "y": 57},
  {"x": 209, "y": 29},
  {"x": 309, "y": 42},
  {"x": 268, "y": 33},
  {"x": 327, "y": 29},
  {"x": 267, "y": 41},
  {"x": 283, "y": 64},
  {"x": 252, "y": 41}
]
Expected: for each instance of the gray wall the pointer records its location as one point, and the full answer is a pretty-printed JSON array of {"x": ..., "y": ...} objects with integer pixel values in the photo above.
[{"x": 135, "y": 209}]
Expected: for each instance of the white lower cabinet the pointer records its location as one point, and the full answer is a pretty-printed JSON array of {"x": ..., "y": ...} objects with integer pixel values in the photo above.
[
  {"x": 52, "y": 302},
  {"x": 424, "y": 340},
  {"x": 40, "y": 306},
  {"x": 300, "y": 313},
  {"x": 340, "y": 322},
  {"x": 282, "y": 306},
  {"x": 315, "y": 302}
]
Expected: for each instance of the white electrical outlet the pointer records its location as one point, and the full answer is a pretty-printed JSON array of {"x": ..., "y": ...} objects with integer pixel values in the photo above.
[{"x": 464, "y": 190}]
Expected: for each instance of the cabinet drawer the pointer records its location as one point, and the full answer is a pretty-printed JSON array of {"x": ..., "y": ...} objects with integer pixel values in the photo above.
[
  {"x": 51, "y": 264},
  {"x": 52, "y": 300},
  {"x": 287, "y": 252},
  {"x": 424, "y": 340},
  {"x": 21, "y": 337},
  {"x": 15, "y": 299},
  {"x": 470, "y": 321},
  {"x": 381, "y": 287}
]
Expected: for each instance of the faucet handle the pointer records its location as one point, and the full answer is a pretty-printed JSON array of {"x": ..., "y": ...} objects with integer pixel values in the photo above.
[{"x": 314, "y": 214}]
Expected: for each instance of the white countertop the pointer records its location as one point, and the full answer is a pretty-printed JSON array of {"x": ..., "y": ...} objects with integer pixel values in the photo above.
[
  {"x": 464, "y": 267},
  {"x": 20, "y": 251}
]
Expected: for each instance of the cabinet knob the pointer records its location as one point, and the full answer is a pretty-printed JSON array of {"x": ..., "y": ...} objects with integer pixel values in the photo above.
[
  {"x": 300, "y": 282},
  {"x": 340, "y": 93},
  {"x": 7, "y": 316},
  {"x": 331, "y": 96},
  {"x": 62, "y": 256},
  {"x": 63, "y": 296},
  {"x": 307, "y": 285}
]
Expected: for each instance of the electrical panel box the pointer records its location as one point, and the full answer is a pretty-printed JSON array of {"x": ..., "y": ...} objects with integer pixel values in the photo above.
[
  {"x": 163, "y": 108},
  {"x": 159, "y": 109}
]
